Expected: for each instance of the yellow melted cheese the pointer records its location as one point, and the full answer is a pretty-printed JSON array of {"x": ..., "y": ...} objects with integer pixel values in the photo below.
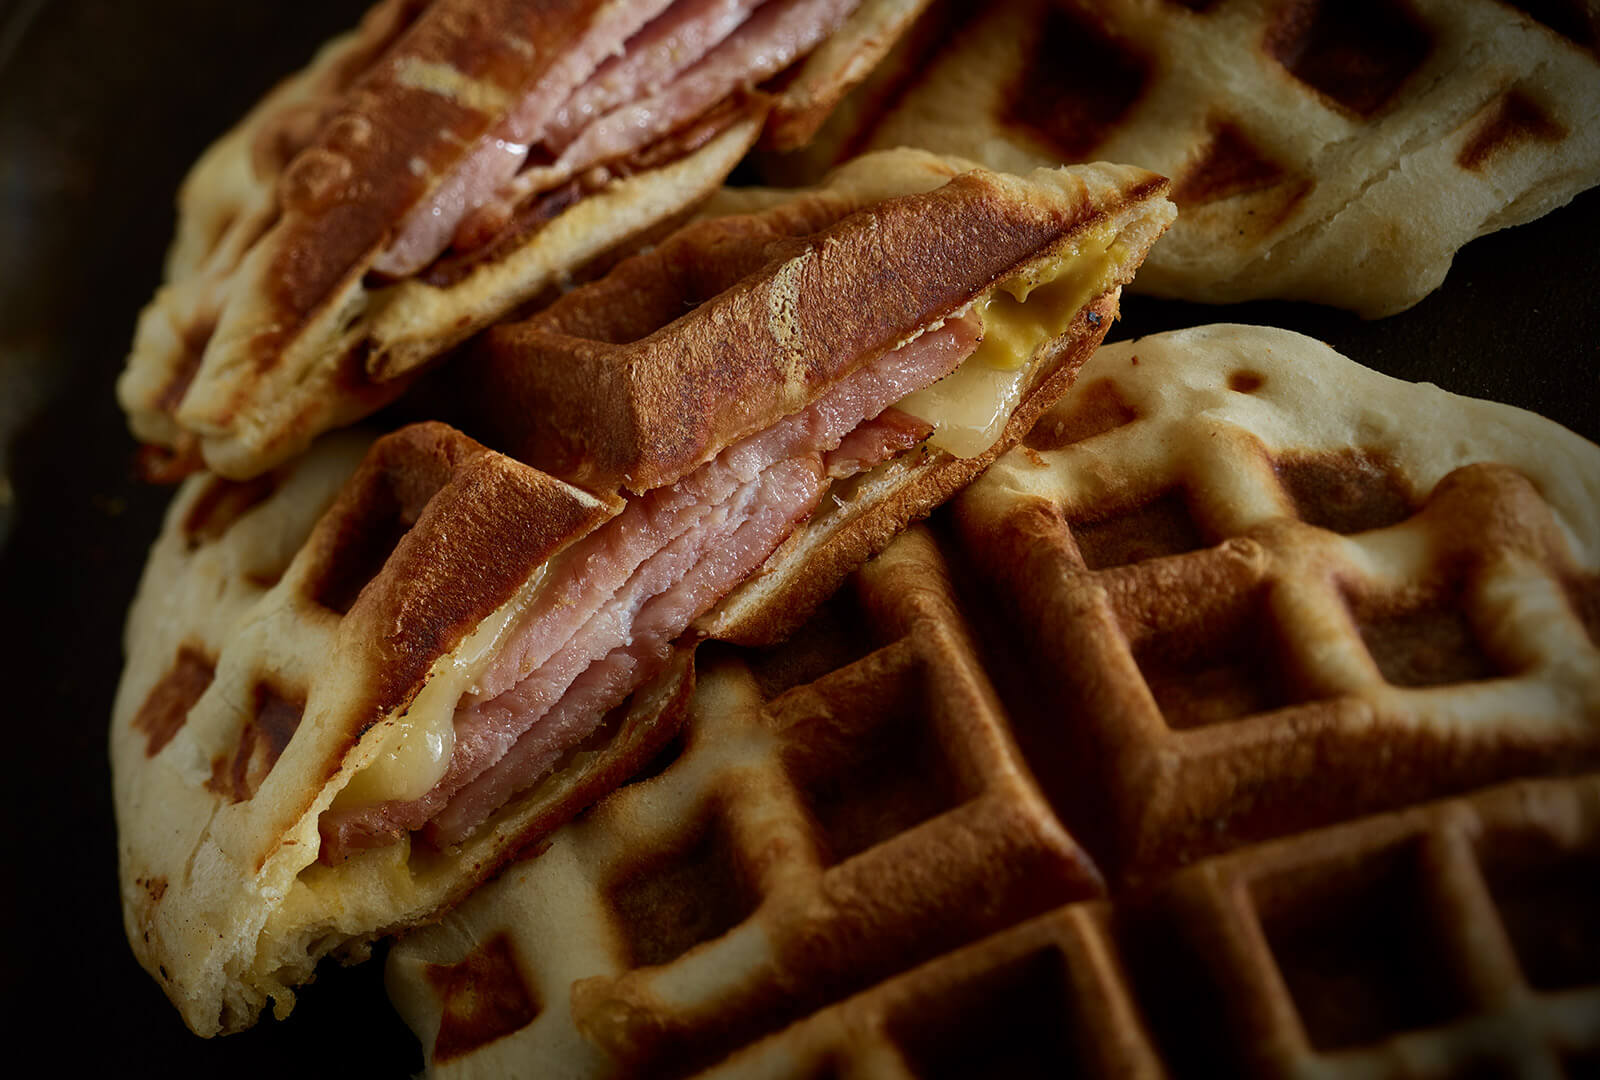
[
  {"x": 969, "y": 407},
  {"x": 414, "y": 752}
]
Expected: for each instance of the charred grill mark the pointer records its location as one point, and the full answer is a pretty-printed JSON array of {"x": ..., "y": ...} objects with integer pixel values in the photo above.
[
  {"x": 1514, "y": 119},
  {"x": 1229, "y": 165},
  {"x": 1357, "y": 53},
  {"x": 1073, "y": 107},
  {"x": 169, "y": 464},
  {"x": 1097, "y": 408},
  {"x": 166, "y": 708},
  {"x": 194, "y": 338},
  {"x": 265, "y": 736},
  {"x": 1575, "y": 20},
  {"x": 484, "y": 997},
  {"x": 220, "y": 504}
]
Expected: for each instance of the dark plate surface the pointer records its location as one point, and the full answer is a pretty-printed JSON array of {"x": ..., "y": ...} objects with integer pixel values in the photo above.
[{"x": 103, "y": 106}]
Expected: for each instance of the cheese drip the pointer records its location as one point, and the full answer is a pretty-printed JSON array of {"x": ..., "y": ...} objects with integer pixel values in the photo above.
[
  {"x": 415, "y": 752},
  {"x": 969, "y": 407}
]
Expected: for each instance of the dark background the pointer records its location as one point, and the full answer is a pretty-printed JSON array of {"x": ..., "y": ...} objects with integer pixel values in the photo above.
[{"x": 103, "y": 106}]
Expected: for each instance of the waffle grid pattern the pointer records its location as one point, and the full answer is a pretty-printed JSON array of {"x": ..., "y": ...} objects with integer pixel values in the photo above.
[
  {"x": 1306, "y": 675},
  {"x": 1307, "y": 943},
  {"x": 226, "y": 546},
  {"x": 1333, "y": 152}
]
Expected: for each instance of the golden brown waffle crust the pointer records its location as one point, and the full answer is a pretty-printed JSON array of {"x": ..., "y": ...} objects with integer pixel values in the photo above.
[
  {"x": 622, "y": 389},
  {"x": 1421, "y": 569},
  {"x": 333, "y": 591},
  {"x": 1292, "y": 396},
  {"x": 612, "y": 387}
]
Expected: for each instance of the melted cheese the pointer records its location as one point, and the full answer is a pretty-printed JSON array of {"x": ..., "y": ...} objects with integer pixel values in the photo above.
[
  {"x": 414, "y": 752},
  {"x": 969, "y": 407}
]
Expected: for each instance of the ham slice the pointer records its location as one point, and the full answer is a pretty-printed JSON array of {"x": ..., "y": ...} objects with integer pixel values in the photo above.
[
  {"x": 426, "y": 230},
  {"x": 778, "y": 33},
  {"x": 613, "y": 603},
  {"x": 672, "y": 42},
  {"x": 645, "y": 70}
]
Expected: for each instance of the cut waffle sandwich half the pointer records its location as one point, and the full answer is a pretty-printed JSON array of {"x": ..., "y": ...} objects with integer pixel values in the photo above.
[
  {"x": 931, "y": 309},
  {"x": 1319, "y": 150},
  {"x": 436, "y": 168},
  {"x": 464, "y": 651},
  {"x": 1123, "y": 766}
]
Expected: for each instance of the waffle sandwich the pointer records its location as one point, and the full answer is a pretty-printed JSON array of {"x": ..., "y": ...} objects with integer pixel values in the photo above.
[
  {"x": 1236, "y": 723},
  {"x": 1332, "y": 152},
  {"x": 397, "y": 689},
  {"x": 436, "y": 168}
]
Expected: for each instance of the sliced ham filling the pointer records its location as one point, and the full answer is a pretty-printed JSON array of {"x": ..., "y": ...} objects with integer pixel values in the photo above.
[
  {"x": 614, "y": 603},
  {"x": 642, "y": 71}
]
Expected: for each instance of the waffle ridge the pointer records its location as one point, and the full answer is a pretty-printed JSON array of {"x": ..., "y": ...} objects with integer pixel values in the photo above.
[{"x": 634, "y": 380}]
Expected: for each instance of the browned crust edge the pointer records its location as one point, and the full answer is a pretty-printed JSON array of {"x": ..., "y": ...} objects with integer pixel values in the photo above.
[{"x": 645, "y": 413}]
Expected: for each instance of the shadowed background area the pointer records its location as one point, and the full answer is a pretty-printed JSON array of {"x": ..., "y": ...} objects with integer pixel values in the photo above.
[{"x": 103, "y": 106}]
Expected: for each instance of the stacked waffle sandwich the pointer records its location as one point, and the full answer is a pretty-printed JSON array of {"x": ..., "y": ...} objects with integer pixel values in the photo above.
[
  {"x": 409, "y": 675},
  {"x": 436, "y": 168},
  {"x": 1182, "y": 676}
]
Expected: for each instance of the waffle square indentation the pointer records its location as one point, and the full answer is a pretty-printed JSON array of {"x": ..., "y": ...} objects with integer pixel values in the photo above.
[
  {"x": 1073, "y": 107},
  {"x": 1356, "y": 52},
  {"x": 1012, "y": 1020},
  {"x": 484, "y": 998},
  {"x": 1427, "y": 644},
  {"x": 680, "y": 897},
  {"x": 1511, "y": 120},
  {"x": 1211, "y": 671},
  {"x": 1548, "y": 897},
  {"x": 1346, "y": 492},
  {"x": 1162, "y": 526},
  {"x": 833, "y": 638},
  {"x": 1230, "y": 164},
  {"x": 882, "y": 773},
  {"x": 166, "y": 707},
  {"x": 221, "y": 503},
  {"x": 364, "y": 543},
  {"x": 1094, "y": 409},
  {"x": 1359, "y": 947},
  {"x": 275, "y": 718}
]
